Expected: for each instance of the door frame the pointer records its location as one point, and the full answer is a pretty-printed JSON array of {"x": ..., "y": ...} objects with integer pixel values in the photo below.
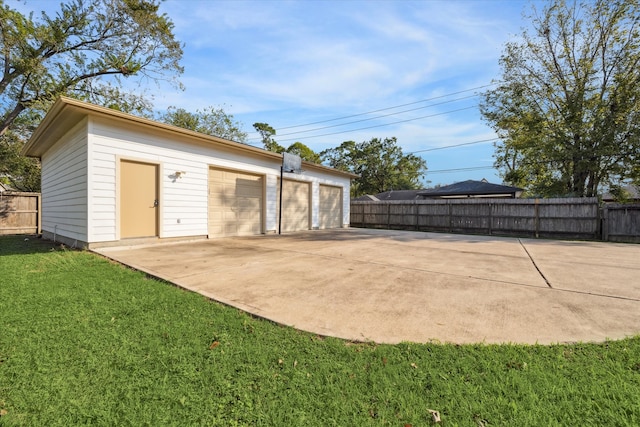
[{"x": 159, "y": 189}]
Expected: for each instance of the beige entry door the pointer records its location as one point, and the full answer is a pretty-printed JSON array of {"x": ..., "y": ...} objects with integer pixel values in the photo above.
[
  {"x": 235, "y": 203},
  {"x": 330, "y": 207},
  {"x": 296, "y": 211},
  {"x": 138, "y": 199}
]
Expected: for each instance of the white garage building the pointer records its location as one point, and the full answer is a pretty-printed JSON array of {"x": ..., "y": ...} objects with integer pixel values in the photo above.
[{"x": 113, "y": 178}]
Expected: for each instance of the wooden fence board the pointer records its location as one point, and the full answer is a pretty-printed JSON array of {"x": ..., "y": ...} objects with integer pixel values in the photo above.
[
  {"x": 566, "y": 218},
  {"x": 19, "y": 213},
  {"x": 621, "y": 223}
]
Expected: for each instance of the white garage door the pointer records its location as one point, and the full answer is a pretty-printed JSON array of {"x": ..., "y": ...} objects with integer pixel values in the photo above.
[
  {"x": 235, "y": 203},
  {"x": 295, "y": 205},
  {"x": 330, "y": 207}
]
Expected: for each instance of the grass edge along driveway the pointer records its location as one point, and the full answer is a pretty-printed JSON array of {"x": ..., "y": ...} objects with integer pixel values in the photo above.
[{"x": 86, "y": 341}]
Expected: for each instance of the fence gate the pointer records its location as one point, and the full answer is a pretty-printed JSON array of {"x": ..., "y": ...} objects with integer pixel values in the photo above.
[{"x": 19, "y": 213}]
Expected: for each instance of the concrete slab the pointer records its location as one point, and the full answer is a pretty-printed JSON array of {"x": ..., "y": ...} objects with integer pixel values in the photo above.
[{"x": 393, "y": 286}]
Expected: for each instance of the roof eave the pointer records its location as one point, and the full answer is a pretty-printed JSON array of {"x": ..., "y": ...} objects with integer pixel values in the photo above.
[{"x": 35, "y": 148}]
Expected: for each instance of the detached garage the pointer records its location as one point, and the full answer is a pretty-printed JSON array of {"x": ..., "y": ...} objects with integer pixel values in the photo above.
[{"x": 111, "y": 178}]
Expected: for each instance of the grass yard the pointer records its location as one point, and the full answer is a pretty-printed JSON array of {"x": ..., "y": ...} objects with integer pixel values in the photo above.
[{"x": 85, "y": 341}]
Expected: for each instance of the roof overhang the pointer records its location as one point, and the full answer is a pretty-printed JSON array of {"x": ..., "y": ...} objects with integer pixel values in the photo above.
[{"x": 67, "y": 112}]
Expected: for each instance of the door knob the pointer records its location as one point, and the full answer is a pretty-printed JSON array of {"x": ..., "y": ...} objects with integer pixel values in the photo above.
[{"x": 155, "y": 203}]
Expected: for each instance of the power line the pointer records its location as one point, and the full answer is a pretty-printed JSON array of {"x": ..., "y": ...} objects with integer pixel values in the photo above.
[
  {"x": 473, "y": 168},
  {"x": 454, "y": 145},
  {"x": 390, "y": 108},
  {"x": 382, "y": 125},
  {"x": 378, "y": 117}
]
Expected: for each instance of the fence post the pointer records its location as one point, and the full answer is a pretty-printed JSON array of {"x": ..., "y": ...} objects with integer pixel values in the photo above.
[
  {"x": 536, "y": 221},
  {"x": 450, "y": 217},
  {"x": 605, "y": 223},
  {"x": 39, "y": 217},
  {"x": 388, "y": 216},
  {"x": 490, "y": 218}
]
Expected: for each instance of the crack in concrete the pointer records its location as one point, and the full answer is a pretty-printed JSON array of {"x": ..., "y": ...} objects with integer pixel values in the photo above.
[{"x": 535, "y": 265}]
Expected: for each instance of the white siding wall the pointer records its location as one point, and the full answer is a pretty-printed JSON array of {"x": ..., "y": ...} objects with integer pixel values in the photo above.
[
  {"x": 64, "y": 185},
  {"x": 183, "y": 201}
]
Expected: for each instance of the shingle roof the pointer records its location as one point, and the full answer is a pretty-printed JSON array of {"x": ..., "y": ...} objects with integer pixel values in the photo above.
[
  {"x": 633, "y": 193},
  {"x": 366, "y": 198},
  {"x": 469, "y": 187},
  {"x": 399, "y": 195}
]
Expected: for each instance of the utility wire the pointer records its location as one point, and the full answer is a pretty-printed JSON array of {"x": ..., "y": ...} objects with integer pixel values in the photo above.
[
  {"x": 378, "y": 117},
  {"x": 382, "y": 125},
  {"x": 390, "y": 108},
  {"x": 472, "y": 168},
  {"x": 454, "y": 145}
]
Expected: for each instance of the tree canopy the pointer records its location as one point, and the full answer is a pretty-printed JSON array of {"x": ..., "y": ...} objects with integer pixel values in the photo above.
[
  {"x": 567, "y": 106},
  {"x": 83, "y": 51},
  {"x": 304, "y": 152},
  {"x": 210, "y": 120},
  {"x": 381, "y": 164}
]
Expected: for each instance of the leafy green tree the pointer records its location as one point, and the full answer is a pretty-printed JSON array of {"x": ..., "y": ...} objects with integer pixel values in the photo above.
[
  {"x": 84, "y": 52},
  {"x": 210, "y": 120},
  {"x": 567, "y": 107},
  {"x": 305, "y": 153},
  {"x": 266, "y": 134},
  {"x": 381, "y": 164},
  {"x": 20, "y": 172}
]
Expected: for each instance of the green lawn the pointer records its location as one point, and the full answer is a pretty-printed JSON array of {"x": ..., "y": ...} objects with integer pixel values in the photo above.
[{"x": 85, "y": 341}]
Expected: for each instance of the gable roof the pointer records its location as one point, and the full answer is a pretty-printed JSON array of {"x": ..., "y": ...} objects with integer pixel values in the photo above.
[
  {"x": 471, "y": 188},
  {"x": 6, "y": 187},
  {"x": 398, "y": 195},
  {"x": 66, "y": 112},
  {"x": 632, "y": 193},
  {"x": 366, "y": 198}
]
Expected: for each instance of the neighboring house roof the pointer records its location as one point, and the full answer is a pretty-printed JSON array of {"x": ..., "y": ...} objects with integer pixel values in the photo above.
[
  {"x": 366, "y": 198},
  {"x": 632, "y": 193},
  {"x": 398, "y": 195},
  {"x": 471, "y": 188},
  {"x": 6, "y": 187},
  {"x": 66, "y": 112}
]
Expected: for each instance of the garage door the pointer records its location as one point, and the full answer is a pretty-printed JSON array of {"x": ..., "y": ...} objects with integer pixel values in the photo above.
[
  {"x": 295, "y": 205},
  {"x": 235, "y": 203},
  {"x": 330, "y": 207}
]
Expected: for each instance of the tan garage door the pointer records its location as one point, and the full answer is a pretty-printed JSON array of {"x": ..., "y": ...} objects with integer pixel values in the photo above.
[
  {"x": 295, "y": 205},
  {"x": 235, "y": 203},
  {"x": 330, "y": 207}
]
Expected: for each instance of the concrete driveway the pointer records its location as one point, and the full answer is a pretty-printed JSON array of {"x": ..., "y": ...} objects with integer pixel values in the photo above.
[{"x": 392, "y": 286}]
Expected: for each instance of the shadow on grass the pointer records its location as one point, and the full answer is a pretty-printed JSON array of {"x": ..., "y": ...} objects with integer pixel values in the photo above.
[{"x": 26, "y": 244}]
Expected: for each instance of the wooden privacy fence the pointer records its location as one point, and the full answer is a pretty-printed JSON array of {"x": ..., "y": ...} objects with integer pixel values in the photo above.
[
  {"x": 19, "y": 213},
  {"x": 562, "y": 218},
  {"x": 621, "y": 223}
]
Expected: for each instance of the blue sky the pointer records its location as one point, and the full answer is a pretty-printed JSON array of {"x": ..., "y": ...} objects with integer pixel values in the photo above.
[{"x": 409, "y": 69}]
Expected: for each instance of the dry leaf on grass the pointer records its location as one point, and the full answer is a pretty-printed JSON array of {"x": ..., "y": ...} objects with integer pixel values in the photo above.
[
  {"x": 435, "y": 415},
  {"x": 214, "y": 345}
]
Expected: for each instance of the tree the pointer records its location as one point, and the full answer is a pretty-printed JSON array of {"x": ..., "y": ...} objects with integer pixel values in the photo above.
[
  {"x": 22, "y": 173},
  {"x": 304, "y": 152},
  {"x": 381, "y": 164},
  {"x": 83, "y": 52},
  {"x": 298, "y": 148},
  {"x": 266, "y": 133},
  {"x": 210, "y": 120},
  {"x": 567, "y": 108}
]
